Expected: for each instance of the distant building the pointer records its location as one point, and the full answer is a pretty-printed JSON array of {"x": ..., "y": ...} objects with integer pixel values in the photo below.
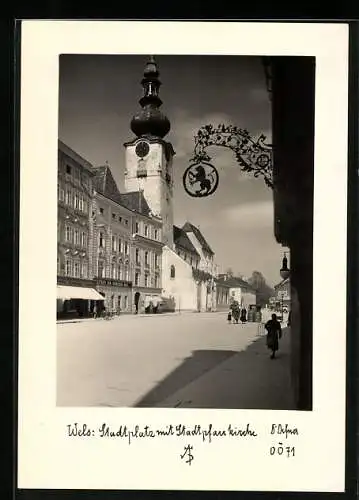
[
  {"x": 282, "y": 296},
  {"x": 223, "y": 295},
  {"x": 237, "y": 289},
  {"x": 189, "y": 271}
]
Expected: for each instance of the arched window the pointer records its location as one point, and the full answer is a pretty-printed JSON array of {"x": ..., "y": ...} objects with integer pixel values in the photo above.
[{"x": 173, "y": 271}]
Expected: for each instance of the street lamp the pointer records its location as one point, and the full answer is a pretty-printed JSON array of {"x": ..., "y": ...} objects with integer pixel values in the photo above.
[{"x": 285, "y": 271}]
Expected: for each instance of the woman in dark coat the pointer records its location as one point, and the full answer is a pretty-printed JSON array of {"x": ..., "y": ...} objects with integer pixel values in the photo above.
[
  {"x": 274, "y": 333},
  {"x": 243, "y": 315},
  {"x": 235, "y": 311}
]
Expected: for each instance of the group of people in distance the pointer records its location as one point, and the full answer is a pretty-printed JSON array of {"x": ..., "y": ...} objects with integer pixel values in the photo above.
[
  {"x": 273, "y": 326},
  {"x": 236, "y": 314}
]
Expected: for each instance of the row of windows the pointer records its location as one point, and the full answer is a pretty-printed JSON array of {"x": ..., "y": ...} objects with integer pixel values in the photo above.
[
  {"x": 148, "y": 280},
  {"x": 75, "y": 236},
  {"x": 147, "y": 262},
  {"x": 74, "y": 268},
  {"x": 73, "y": 199},
  {"x": 148, "y": 231},
  {"x": 79, "y": 269},
  {"x": 117, "y": 271},
  {"x": 117, "y": 245},
  {"x": 147, "y": 258},
  {"x": 121, "y": 246},
  {"x": 123, "y": 273},
  {"x": 115, "y": 217},
  {"x": 77, "y": 173}
]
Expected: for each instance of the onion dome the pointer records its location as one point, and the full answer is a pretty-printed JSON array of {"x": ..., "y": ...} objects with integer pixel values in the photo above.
[{"x": 150, "y": 120}]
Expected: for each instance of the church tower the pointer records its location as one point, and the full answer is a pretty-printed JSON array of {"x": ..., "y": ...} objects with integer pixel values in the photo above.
[{"x": 148, "y": 156}]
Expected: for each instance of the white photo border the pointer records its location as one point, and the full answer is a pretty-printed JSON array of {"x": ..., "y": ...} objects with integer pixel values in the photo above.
[{"x": 47, "y": 458}]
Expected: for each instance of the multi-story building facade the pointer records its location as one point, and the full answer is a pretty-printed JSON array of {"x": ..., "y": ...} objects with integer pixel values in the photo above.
[
  {"x": 147, "y": 252},
  {"x": 74, "y": 233},
  {"x": 74, "y": 222},
  {"x": 127, "y": 246},
  {"x": 112, "y": 246}
]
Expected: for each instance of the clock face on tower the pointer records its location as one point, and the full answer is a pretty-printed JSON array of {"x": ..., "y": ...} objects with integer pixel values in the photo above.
[{"x": 142, "y": 149}]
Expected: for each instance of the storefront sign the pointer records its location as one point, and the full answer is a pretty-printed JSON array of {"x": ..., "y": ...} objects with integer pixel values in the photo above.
[
  {"x": 68, "y": 281},
  {"x": 112, "y": 282}
]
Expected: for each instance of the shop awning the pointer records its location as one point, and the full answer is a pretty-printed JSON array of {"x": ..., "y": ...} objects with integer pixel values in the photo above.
[{"x": 77, "y": 292}]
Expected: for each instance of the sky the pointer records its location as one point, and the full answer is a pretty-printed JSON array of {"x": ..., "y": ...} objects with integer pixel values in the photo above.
[{"x": 98, "y": 95}]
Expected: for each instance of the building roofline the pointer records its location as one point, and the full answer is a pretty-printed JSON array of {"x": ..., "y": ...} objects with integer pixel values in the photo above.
[
  {"x": 64, "y": 148},
  {"x": 188, "y": 227},
  {"x": 236, "y": 283},
  {"x": 133, "y": 212},
  {"x": 98, "y": 193},
  {"x": 177, "y": 241},
  {"x": 147, "y": 241},
  {"x": 194, "y": 252}
]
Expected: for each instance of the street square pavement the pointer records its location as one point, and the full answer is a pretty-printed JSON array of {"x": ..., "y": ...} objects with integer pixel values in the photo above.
[{"x": 187, "y": 360}]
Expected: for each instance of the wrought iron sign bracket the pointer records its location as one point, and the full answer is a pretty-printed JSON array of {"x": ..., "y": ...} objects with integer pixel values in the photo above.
[{"x": 253, "y": 156}]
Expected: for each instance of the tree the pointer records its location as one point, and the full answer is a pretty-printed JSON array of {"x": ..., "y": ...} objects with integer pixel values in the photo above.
[
  {"x": 262, "y": 289},
  {"x": 257, "y": 280},
  {"x": 229, "y": 272}
]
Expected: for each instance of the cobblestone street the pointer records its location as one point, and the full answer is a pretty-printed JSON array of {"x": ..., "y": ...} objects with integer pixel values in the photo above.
[{"x": 179, "y": 360}]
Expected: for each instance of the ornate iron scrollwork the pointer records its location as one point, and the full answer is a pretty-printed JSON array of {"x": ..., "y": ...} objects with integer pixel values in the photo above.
[{"x": 253, "y": 155}]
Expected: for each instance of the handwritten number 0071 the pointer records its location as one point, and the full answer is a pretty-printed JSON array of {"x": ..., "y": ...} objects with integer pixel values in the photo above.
[{"x": 288, "y": 451}]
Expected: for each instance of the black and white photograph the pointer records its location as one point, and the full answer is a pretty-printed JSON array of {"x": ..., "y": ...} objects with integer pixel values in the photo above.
[
  {"x": 185, "y": 307},
  {"x": 175, "y": 237}
]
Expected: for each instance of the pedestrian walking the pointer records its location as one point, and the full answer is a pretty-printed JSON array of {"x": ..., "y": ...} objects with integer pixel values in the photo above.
[
  {"x": 235, "y": 311},
  {"x": 289, "y": 318},
  {"x": 243, "y": 317},
  {"x": 274, "y": 333}
]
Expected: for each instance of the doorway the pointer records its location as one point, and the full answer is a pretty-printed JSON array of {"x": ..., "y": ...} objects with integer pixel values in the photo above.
[{"x": 137, "y": 300}]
